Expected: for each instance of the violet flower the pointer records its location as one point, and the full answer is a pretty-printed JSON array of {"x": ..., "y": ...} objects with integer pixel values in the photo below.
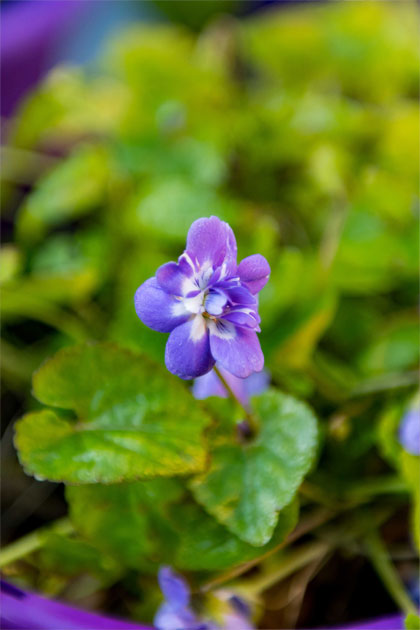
[
  {"x": 21, "y": 610},
  {"x": 207, "y": 302},
  {"x": 409, "y": 432},
  {"x": 210, "y": 385},
  {"x": 176, "y": 612}
]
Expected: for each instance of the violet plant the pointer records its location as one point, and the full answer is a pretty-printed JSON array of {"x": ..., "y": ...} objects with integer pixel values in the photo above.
[
  {"x": 267, "y": 492},
  {"x": 152, "y": 435}
]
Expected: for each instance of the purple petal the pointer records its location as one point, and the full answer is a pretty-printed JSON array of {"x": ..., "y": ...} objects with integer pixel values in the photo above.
[
  {"x": 257, "y": 383},
  {"x": 211, "y": 385},
  {"x": 168, "y": 618},
  {"x": 240, "y": 606},
  {"x": 208, "y": 385},
  {"x": 238, "y": 350},
  {"x": 212, "y": 240},
  {"x": 21, "y": 609},
  {"x": 254, "y": 271},
  {"x": 391, "y": 622},
  {"x": 157, "y": 309},
  {"x": 243, "y": 316},
  {"x": 174, "y": 588},
  {"x": 235, "y": 621},
  {"x": 186, "y": 265},
  {"x": 215, "y": 302},
  {"x": 240, "y": 295},
  {"x": 173, "y": 280},
  {"x": 187, "y": 352},
  {"x": 175, "y": 613},
  {"x": 229, "y": 283},
  {"x": 409, "y": 432}
]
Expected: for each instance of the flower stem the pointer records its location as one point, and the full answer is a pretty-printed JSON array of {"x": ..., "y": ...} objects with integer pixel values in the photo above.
[
  {"x": 315, "y": 519},
  {"x": 385, "y": 569},
  {"x": 251, "y": 423},
  {"x": 286, "y": 565},
  {"x": 33, "y": 541}
]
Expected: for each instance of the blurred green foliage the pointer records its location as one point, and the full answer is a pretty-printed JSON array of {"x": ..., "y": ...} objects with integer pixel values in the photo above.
[{"x": 300, "y": 128}]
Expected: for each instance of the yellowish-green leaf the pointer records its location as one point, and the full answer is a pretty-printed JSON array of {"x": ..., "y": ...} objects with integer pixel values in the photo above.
[{"x": 134, "y": 420}]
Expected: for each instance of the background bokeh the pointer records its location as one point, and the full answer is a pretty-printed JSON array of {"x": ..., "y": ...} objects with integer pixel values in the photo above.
[{"x": 296, "y": 124}]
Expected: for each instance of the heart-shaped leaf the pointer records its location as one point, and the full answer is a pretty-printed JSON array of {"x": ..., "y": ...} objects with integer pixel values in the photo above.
[
  {"x": 204, "y": 544},
  {"x": 246, "y": 486},
  {"x": 134, "y": 420}
]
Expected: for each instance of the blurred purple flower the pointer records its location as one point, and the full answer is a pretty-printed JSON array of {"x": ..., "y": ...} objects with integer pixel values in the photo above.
[
  {"x": 391, "y": 622},
  {"x": 409, "y": 432},
  {"x": 176, "y": 613},
  {"x": 210, "y": 385},
  {"x": 30, "y": 31},
  {"x": 22, "y": 610},
  {"x": 207, "y": 302}
]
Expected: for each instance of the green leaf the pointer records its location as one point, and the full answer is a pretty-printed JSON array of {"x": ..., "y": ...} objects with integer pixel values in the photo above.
[
  {"x": 394, "y": 348},
  {"x": 289, "y": 270},
  {"x": 387, "y": 432},
  {"x": 72, "y": 189},
  {"x": 22, "y": 300},
  {"x": 28, "y": 295},
  {"x": 10, "y": 263},
  {"x": 67, "y": 555},
  {"x": 412, "y": 622},
  {"x": 126, "y": 329},
  {"x": 186, "y": 157},
  {"x": 246, "y": 487},
  {"x": 169, "y": 206},
  {"x": 134, "y": 420},
  {"x": 367, "y": 259},
  {"x": 207, "y": 545},
  {"x": 303, "y": 331},
  {"x": 124, "y": 520}
]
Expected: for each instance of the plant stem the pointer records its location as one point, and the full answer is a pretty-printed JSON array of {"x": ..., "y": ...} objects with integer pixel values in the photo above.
[
  {"x": 228, "y": 388},
  {"x": 314, "y": 520},
  {"x": 250, "y": 419},
  {"x": 33, "y": 541},
  {"x": 318, "y": 517},
  {"x": 385, "y": 569},
  {"x": 356, "y": 493},
  {"x": 316, "y": 494},
  {"x": 289, "y": 563},
  {"x": 386, "y": 484}
]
